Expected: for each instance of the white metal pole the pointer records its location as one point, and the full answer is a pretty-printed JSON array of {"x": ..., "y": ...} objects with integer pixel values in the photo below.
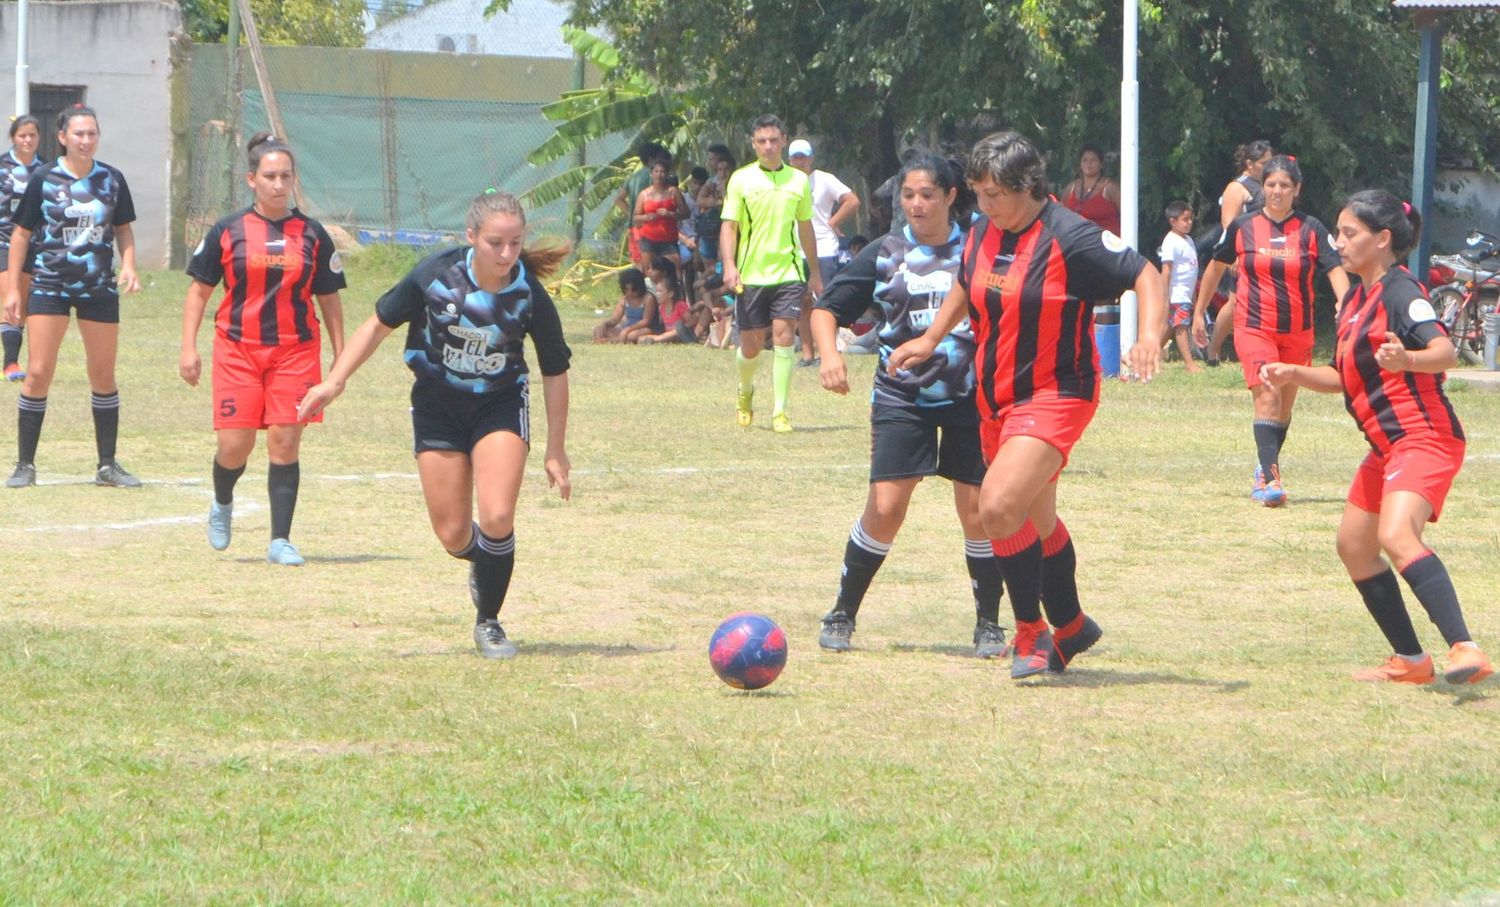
[
  {"x": 1130, "y": 169},
  {"x": 23, "y": 78}
]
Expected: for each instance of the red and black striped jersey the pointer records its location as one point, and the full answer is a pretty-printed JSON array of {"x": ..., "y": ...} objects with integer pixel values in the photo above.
[
  {"x": 271, "y": 269},
  {"x": 1273, "y": 290},
  {"x": 1389, "y": 406},
  {"x": 1029, "y": 305}
]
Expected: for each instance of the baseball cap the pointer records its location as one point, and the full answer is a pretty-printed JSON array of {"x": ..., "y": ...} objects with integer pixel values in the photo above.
[{"x": 800, "y": 146}]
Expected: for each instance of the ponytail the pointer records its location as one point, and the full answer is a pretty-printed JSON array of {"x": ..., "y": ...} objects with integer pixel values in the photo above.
[{"x": 543, "y": 259}]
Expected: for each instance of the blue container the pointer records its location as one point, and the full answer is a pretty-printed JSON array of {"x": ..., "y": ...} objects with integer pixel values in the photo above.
[{"x": 1107, "y": 339}]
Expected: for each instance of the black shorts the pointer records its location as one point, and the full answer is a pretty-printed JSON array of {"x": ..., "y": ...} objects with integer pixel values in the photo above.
[
  {"x": 758, "y": 305},
  {"x": 105, "y": 311},
  {"x": 650, "y": 247},
  {"x": 446, "y": 419},
  {"x": 941, "y": 441}
]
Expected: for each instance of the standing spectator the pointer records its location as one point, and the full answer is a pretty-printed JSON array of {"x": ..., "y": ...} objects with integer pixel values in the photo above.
[
  {"x": 1091, "y": 193},
  {"x": 767, "y": 212},
  {"x": 833, "y": 205},
  {"x": 710, "y": 203},
  {"x": 649, "y": 154},
  {"x": 1179, "y": 271},
  {"x": 16, "y": 167},
  {"x": 1243, "y": 195},
  {"x": 74, "y": 213},
  {"x": 658, "y": 208}
]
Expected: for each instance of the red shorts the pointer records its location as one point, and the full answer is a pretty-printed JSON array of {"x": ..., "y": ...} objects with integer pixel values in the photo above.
[
  {"x": 1256, "y": 348},
  {"x": 1059, "y": 421},
  {"x": 255, "y": 386},
  {"x": 1425, "y": 465}
]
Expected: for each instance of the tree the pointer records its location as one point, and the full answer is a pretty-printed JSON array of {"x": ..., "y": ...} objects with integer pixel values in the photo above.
[{"x": 320, "y": 23}]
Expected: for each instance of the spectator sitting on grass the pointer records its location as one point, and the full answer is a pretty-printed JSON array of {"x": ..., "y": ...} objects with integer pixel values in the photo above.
[{"x": 630, "y": 312}]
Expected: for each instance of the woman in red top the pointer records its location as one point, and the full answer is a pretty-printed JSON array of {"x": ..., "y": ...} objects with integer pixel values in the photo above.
[
  {"x": 1389, "y": 362},
  {"x": 1029, "y": 270},
  {"x": 1092, "y": 194},
  {"x": 658, "y": 208},
  {"x": 273, "y": 261},
  {"x": 1278, "y": 251}
]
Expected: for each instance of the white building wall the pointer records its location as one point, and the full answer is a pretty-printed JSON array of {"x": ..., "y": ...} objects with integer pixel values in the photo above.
[
  {"x": 120, "y": 51},
  {"x": 530, "y": 28}
]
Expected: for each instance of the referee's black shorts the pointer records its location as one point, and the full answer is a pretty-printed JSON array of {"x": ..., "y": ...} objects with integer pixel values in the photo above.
[
  {"x": 926, "y": 441},
  {"x": 445, "y": 418}
]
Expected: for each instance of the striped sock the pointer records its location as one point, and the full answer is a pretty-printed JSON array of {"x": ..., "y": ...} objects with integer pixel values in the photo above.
[
  {"x": 862, "y": 559},
  {"x": 984, "y": 578},
  {"x": 106, "y": 424},
  {"x": 493, "y": 564},
  {"x": 466, "y": 553},
  {"x": 30, "y": 413}
]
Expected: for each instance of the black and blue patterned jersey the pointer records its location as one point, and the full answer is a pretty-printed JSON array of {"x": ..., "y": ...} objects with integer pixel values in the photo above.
[
  {"x": 909, "y": 281},
  {"x": 72, "y": 221},
  {"x": 14, "y": 176},
  {"x": 469, "y": 339}
]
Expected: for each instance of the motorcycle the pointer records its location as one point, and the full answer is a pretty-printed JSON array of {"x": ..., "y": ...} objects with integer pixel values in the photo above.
[{"x": 1466, "y": 288}]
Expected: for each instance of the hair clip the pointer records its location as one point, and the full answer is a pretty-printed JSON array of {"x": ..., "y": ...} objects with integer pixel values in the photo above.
[
  {"x": 1292, "y": 158},
  {"x": 1406, "y": 206},
  {"x": 490, "y": 190}
]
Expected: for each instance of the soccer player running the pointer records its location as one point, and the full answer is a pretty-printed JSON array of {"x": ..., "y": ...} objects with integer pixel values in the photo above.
[
  {"x": 16, "y": 167},
  {"x": 1389, "y": 362},
  {"x": 922, "y": 422},
  {"x": 1029, "y": 269},
  {"x": 1278, "y": 250},
  {"x": 74, "y": 212},
  {"x": 467, "y": 311},
  {"x": 767, "y": 211},
  {"x": 273, "y": 260}
]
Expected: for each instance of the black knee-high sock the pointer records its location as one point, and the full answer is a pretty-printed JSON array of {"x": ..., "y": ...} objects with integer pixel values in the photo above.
[
  {"x": 1433, "y": 587},
  {"x": 493, "y": 564},
  {"x": 106, "y": 424},
  {"x": 10, "y": 337},
  {"x": 466, "y": 553},
  {"x": 985, "y": 578},
  {"x": 1382, "y": 595},
  {"x": 224, "y": 481},
  {"x": 1060, "y": 581},
  {"x": 1281, "y": 430},
  {"x": 862, "y": 559},
  {"x": 1020, "y": 558},
  {"x": 1268, "y": 438},
  {"x": 32, "y": 410},
  {"x": 282, "y": 480}
]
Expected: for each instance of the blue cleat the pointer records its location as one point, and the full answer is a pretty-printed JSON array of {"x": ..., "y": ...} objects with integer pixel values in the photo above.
[
  {"x": 219, "y": 519},
  {"x": 284, "y": 553},
  {"x": 1258, "y": 486}
]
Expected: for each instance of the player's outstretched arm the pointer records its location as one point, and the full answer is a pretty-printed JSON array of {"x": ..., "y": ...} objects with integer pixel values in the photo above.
[
  {"x": 1208, "y": 284},
  {"x": 189, "y": 363},
  {"x": 555, "y": 392},
  {"x": 955, "y": 308},
  {"x": 361, "y": 347},
  {"x": 1151, "y": 314},
  {"x": 1320, "y": 378}
]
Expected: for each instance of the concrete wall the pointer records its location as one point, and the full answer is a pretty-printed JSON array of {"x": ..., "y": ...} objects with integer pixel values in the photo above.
[
  {"x": 121, "y": 52},
  {"x": 1466, "y": 199},
  {"x": 530, "y": 28}
]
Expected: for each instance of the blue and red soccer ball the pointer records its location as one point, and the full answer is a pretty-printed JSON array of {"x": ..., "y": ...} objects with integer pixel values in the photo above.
[{"x": 748, "y": 651}]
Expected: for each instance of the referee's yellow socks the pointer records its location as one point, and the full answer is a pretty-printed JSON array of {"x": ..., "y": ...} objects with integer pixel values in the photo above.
[
  {"x": 747, "y": 371},
  {"x": 781, "y": 375}
]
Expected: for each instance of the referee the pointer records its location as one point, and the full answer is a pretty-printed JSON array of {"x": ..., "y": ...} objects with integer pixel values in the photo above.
[{"x": 273, "y": 260}]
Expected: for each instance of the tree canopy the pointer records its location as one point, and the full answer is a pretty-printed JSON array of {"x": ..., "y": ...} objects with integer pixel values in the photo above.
[
  {"x": 322, "y": 23},
  {"x": 1332, "y": 82}
]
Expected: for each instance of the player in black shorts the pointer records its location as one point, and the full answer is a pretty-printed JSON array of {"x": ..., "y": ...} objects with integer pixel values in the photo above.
[
  {"x": 467, "y": 311},
  {"x": 73, "y": 213},
  {"x": 924, "y": 422},
  {"x": 16, "y": 167}
]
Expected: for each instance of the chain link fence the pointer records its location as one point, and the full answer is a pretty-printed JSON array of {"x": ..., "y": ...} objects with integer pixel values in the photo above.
[{"x": 394, "y": 137}]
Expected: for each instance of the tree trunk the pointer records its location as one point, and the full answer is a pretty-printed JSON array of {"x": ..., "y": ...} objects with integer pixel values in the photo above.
[{"x": 882, "y": 162}]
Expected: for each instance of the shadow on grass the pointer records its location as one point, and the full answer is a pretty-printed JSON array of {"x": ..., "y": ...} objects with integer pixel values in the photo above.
[
  {"x": 1104, "y": 677},
  {"x": 1463, "y": 695},
  {"x": 765, "y": 693},
  {"x": 799, "y": 429}
]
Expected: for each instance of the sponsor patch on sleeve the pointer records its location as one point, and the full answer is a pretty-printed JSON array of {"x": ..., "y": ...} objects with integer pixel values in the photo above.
[
  {"x": 1421, "y": 310},
  {"x": 336, "y": 262}
]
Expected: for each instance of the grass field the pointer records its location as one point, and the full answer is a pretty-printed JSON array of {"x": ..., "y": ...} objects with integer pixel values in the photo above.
[{"x": 183, "y": 726}]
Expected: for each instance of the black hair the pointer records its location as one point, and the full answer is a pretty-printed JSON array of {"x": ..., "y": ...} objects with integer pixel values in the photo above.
[
  {"x": 66, "y": 115},
  {"x": 1283, "y": 163},
  {"x": 767, "y": 120},
  {"x": 669, "y": 271},
  {"x": 699, "y": 174},
  {"x": 264, "y": 143},
  {"x": 1011, "y": 160},
  {"x": 24, "y": 119},
  {"x": 1250, "y": 152},
  {"x": 1380, "y": 210},
  {"x": 1177, "y": 208},
  {"x": 723, "y": 152},
  {"x": 713, "y": 282},
  {"x": 1091, "y": 148},
  {"x": 860, "y": 240},
  {"x": 651, "y": 152},
  {"x": 948, "y": 174},
  {"x": 632, "y": 280}
]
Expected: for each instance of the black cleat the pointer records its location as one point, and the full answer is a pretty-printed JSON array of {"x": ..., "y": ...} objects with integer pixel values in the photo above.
[
  {"x": 115, "y": 476},
  {"x": 23, "y": 477},
  {"x": 489, "y": 639},
  {"x": 1064, "y": 650},
  {"x": 989, "y": 639},
  {"x": 837, "y": 628}
]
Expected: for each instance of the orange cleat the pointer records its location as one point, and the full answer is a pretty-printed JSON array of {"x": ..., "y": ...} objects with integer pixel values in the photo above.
[
  {"x": 1398, "y": 670},
  {"x": 1467, "y": 664}
]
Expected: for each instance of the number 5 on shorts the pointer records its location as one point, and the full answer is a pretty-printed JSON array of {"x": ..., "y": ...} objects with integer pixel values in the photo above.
[{"x": 227, "y": 408}]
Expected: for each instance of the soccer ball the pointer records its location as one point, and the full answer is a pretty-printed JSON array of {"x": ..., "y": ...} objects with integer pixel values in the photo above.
[{"x": 748, "y": 651}]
